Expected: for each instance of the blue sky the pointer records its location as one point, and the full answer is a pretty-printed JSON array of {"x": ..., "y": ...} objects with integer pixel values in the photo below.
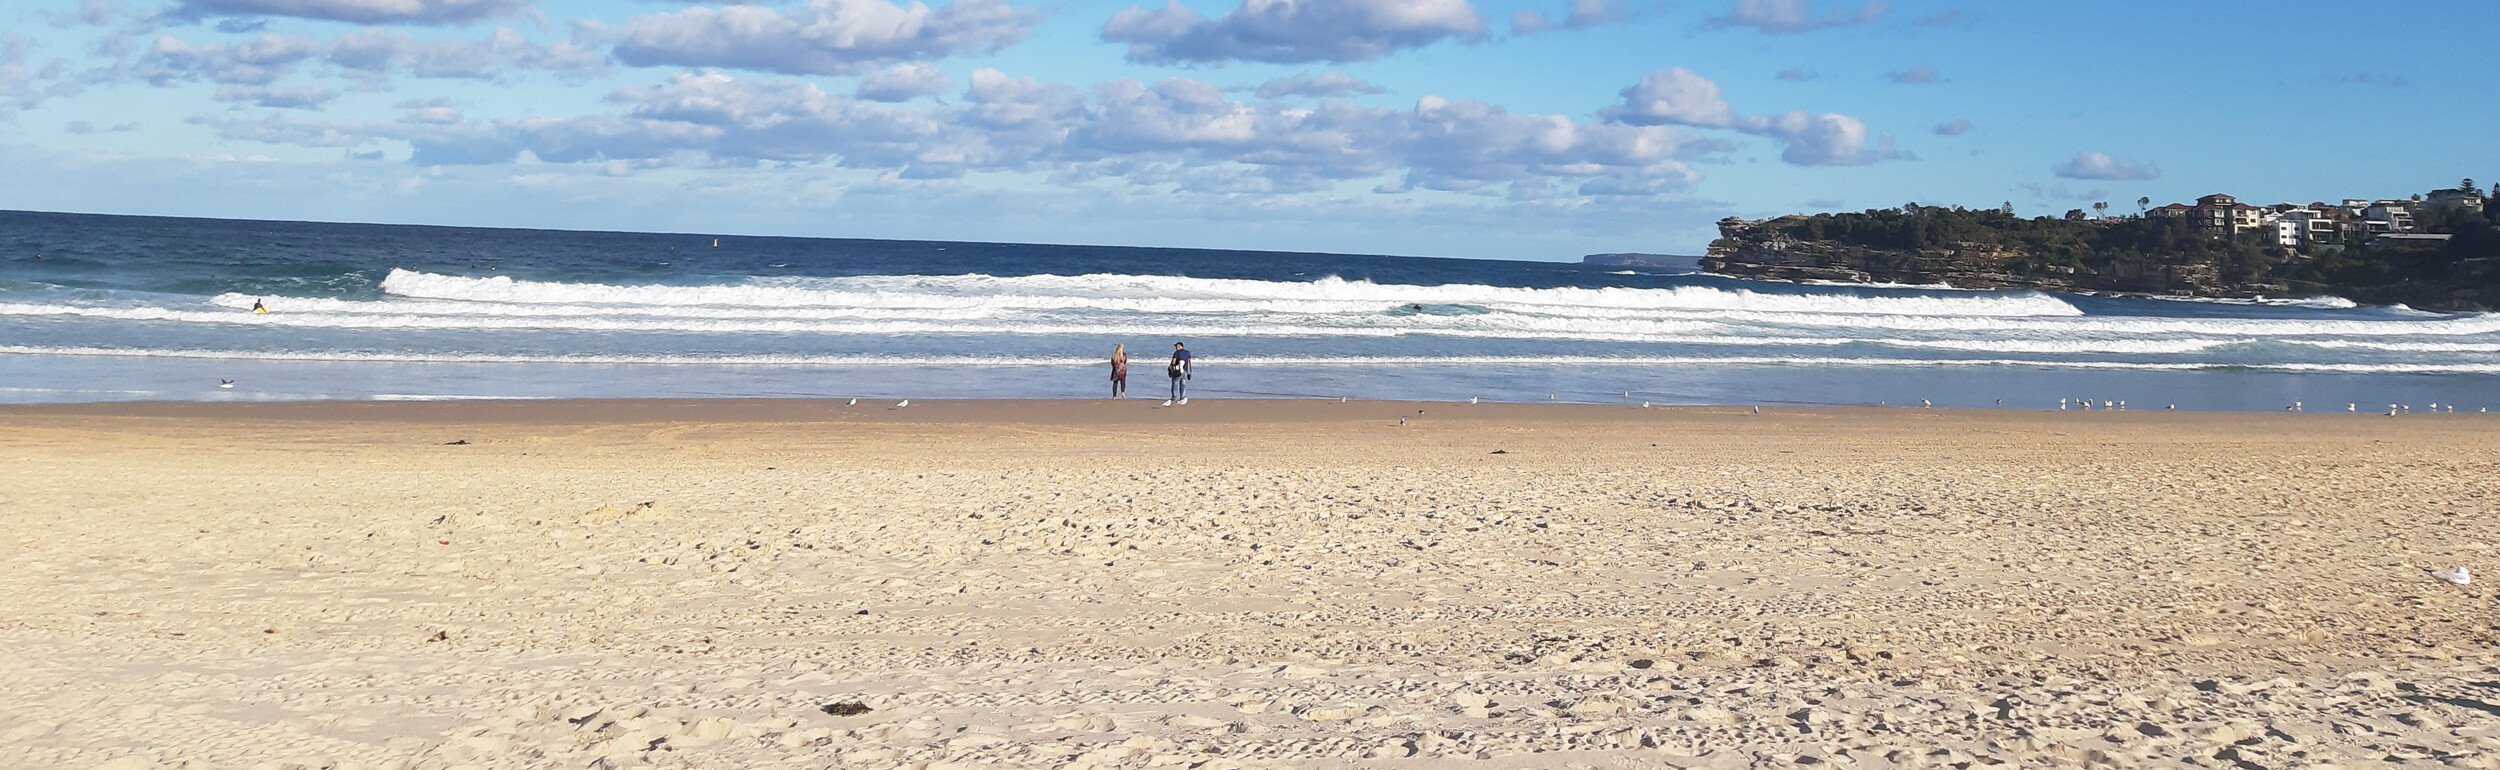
[{"x": 1516, "y": 129}]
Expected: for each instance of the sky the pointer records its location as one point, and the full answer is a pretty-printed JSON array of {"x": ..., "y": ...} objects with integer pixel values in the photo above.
[{"x": 1503, "y": 129}]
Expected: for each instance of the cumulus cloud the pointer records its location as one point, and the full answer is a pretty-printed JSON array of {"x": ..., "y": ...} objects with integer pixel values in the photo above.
[
  {"x": 1582, "y": 15},
  {"x": 1677, "y": 96},
  {"x": 2094, "y": 165},
  {"x": 1955, "y": 128},
  {"x": 259, "y": 61},
  {"x": 292, "y": 98},
  {"x": 1328, "y": 85},
  {"x": 903, "y": 83},
  {"x": 1919, "y": 75},
  {"x": 1291, "y": 31},
  {"x": 1180, "y": 133},
  {"x": 1681, "y": 97},
  {"x": 822, "y": 37},
  {"x": 358, "y": 11},
  {"x": 92, "y": 13},
  {"x": 1790, "y": 17},
  {"x": 1797, "y": 74},
  {"x": 370, "y": 56}
]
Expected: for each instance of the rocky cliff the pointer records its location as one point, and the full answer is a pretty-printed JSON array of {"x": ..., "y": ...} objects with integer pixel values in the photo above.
[{"x": 1757, "y": 249}]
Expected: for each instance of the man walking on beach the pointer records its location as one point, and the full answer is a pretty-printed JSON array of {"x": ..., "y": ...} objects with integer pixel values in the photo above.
[{"x": 1179, "y": 372}]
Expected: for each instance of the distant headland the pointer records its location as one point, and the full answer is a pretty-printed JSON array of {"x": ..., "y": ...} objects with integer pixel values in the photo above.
[
  {"x": 2439, "y": 250},
  {"x": 1636, "y": 259}
]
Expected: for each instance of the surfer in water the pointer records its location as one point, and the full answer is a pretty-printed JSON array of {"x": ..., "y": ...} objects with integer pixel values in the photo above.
[{"x": 259, "y": 308}]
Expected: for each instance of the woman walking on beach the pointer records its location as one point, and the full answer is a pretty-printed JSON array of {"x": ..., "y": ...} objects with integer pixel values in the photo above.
[
  {"x": 1119, "y": 371},
  {"x": 1179, "y": 372}
]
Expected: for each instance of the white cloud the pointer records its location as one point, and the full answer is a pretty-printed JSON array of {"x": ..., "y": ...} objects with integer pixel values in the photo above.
[
  {"x": 1919, "y": 75},
  {"x": 1827, "y": 139},
  {"x": 903, "y": 83},
  {"x": 1677, "y": 96},
  {"x": 294, "y": 98},
  {"x": 259, "y": 61},
  {"x": 1681, "y": 97},
  {"x": 369, "y": 56},
  {"x": 1582, "y": 15},
  {"x": 1326, "y": 86},
  {"x": 2094, "y": 165},
  {"x": 359, "y": 11},
  {"x": 822, "y": 37},
  {"x": 1789, "y": 17},
  {"x": 1181, "y": 133},
  {"x": 1291, "y": 31}
]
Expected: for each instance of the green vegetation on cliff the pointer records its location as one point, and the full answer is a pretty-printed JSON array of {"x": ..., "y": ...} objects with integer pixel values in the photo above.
[{"x": 1991, "y": 248}]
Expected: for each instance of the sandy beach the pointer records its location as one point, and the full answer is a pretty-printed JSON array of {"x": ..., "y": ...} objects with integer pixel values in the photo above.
[{"x": 718, "y": 584}]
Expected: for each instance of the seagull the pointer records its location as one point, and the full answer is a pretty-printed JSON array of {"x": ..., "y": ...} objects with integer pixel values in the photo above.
[
  {"x": 903, "y": 403},
  {"x": 2061, "y": 405},
  {"x": 1340, "y": 399},
  {"x": 1471, "y": 401},
  {"x": 2299, "y": 407},
  {"x": 1926, "y": 404},
  {"x": 1401, "y": 422},
  {"x": 2352, "y": 407},
  {"x": 1644, "y": 405},
  {"x": 854, "y": 402},
  {"x": 2391, "y": 410},
  {"x": 2458, "y": 576},
  {"x": 2122, "y": 406},
  {"x": 2109, "y": 405},
  {"x": 2174, "y": 407},
  {"x": 225, "y": 383},
  {"x": 1757, "y": 410},
  {"x": 2287, "y": 408}
]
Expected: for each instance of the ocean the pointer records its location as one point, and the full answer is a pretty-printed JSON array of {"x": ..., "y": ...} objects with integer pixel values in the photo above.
[{"x": 106, "y": 308}]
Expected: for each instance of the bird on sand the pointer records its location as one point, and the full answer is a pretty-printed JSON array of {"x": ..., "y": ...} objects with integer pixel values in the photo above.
[
  {"x": 903, "y": 403},
  {"x": 2458, "y": 576},
  {"x": 1757, "y": 410},
  {"x": 854, "y": 402},
  {"x": 1644, "y": 405},
  {"x": 1471, "y": 401}
]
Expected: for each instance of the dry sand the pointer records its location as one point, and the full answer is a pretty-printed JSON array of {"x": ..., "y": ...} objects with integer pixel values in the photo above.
[{"x": 1089, "y": 584}]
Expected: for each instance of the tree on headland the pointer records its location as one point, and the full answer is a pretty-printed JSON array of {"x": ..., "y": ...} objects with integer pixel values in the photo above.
[
  {"x": 2101, "y": 208},
  {"x": 2144, "y": 204},
  {"x": 2467, "y": 186}
]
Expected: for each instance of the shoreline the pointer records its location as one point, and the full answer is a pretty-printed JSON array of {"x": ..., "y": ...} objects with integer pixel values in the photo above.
[{"x": 1082, "y": 411}]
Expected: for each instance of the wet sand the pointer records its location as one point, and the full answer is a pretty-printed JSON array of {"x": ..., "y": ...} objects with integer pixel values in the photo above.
[{"x": 1240, "y": 584}]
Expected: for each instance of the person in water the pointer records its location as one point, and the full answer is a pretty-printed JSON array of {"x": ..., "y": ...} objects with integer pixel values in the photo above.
[
  {"x": 259, "y": 308},
  {"x": 1119, "y": 371},
  {"x": 1179, "y": 372}
]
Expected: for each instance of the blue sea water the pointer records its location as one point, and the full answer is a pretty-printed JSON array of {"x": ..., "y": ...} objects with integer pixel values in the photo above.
[{"x": 97, "y": 308}]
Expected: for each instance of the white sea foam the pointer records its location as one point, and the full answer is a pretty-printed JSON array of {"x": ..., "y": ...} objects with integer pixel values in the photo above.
[
  {"x": 1180, "y": 294},
  {"x": 959, "y": 362}
]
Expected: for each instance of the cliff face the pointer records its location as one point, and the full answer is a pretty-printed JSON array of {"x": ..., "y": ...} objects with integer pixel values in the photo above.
[{"x": 1754, "y": 249}]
